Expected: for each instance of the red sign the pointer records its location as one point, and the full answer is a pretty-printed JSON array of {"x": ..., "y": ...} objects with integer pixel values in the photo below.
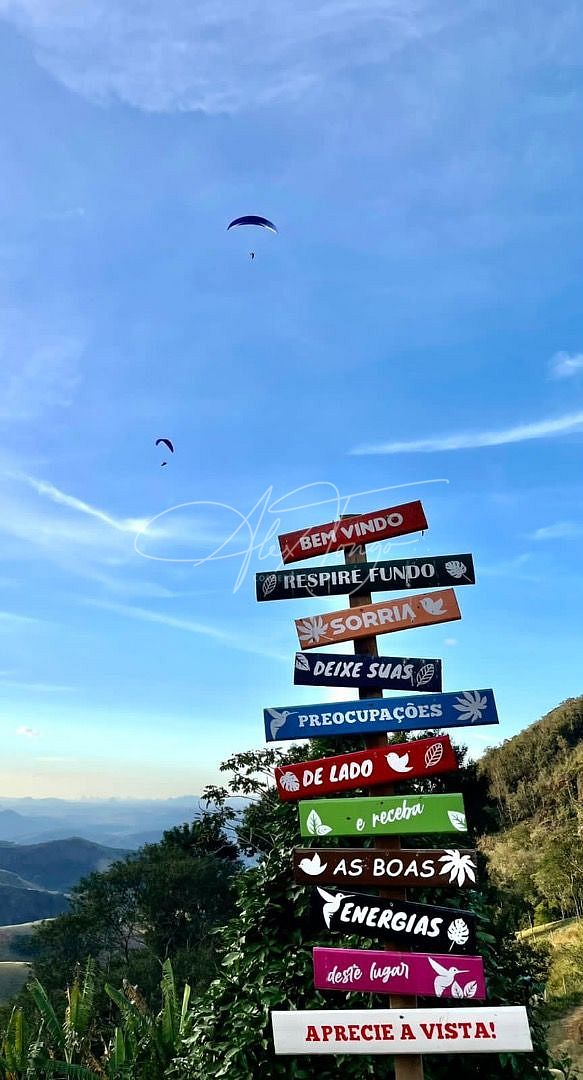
[
  {"x": 361, "y": 529},
  {"x": 367, "y": 768}
]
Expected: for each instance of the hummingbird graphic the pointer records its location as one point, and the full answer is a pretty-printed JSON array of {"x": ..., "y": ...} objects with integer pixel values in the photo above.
[
  {"x": 333, "y": 902},
  {"x": 445, "y": 976},
  {"x": 278, "y": 719}
]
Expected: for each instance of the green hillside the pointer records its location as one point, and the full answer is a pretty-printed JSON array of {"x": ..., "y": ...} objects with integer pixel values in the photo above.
[{"x": 57, "y": 864}]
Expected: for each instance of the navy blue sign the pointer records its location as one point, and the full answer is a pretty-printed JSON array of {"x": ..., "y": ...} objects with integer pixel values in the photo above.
[
  {"x": 426, "y": 572},
  {"x": 466, "y": 707},
  {"x": 384, "y": 672}
]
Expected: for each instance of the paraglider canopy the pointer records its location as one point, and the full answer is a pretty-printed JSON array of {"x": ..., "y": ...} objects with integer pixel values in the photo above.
[
  {"x": 166, "y": 443},
  {"x": 253, "y": 219}
]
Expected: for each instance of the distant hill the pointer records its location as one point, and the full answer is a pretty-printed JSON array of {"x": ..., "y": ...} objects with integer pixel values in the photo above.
[
  {"x": 26, "y": 905},
  {"x": 56, "y": 865}
]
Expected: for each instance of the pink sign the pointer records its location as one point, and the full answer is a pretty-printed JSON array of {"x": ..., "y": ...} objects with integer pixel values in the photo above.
[{"x": 383, "y": 972}]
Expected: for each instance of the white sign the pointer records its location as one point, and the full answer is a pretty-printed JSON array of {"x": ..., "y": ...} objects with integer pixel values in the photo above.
[{"x": 402, "y": 1031}]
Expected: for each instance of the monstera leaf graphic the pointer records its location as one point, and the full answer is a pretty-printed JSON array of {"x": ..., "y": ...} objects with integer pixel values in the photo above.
[
  {"x": 425, "y": 675},
  {"x": 456, "y": 569},
  {"x": 315, "y": 825},
  {"x": 302, "y": 662},
  {"x": 458, "y": 933},
  {"x": 269, "y": 584},
  {"x": 433, "y": 755},
  {"x": 289, "y": 782},
  {"x": 314, "y": 866},
  {"x": 458, "y": 820}
]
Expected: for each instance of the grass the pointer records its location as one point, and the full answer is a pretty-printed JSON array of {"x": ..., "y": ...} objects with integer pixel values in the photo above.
[{"x": 547, "y": 930}]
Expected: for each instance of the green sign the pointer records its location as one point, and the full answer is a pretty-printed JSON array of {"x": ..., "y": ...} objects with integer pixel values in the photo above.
[{"x": 393, "y": 815}]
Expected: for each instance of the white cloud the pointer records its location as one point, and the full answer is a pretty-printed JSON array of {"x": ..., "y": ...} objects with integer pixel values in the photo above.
[
  {"x": 243, "y": 644},
  {"x": 471, "y": 440},
  {"x": 42, "y": 487},
  {"x": 37, "y": 688},
  {"x": 561, "y": 530},
  {"x": 450, "y": 641},
  {"x": 39, "y": 365},
  {"x": 27, "y": 732},
  {"x": 215, "y": 55},
  {"x": 564, "y": 365},
  {"x": 23, "y": 620}
]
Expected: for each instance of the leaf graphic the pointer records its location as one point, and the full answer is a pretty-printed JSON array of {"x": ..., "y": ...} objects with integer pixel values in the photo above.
[
  {"x": 455, "y": 568},
  {"x": 433, "y": 755},
  {"x": 269, "y": 584},
  {"x": 314, "y": 823},
  {"x": 458, "y": 820},
  {"x": 425, "y": 674},
  {"x": 470, "y": 989},
  {"x": 322, "y": 830},
  {"x": 302, "y": 662},
  {"x": 456, "y": 990},
  {"x": 399, "y": 762},
  {"x": 458, "y": 933},
  {"x": 289, "y": 781},
  {"x": 313, "y": 866}
]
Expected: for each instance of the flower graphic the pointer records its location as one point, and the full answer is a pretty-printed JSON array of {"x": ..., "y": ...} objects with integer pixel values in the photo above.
[
  {"x": 311, "y": 631},
  {"x": 471, "y": 705},
  {"x": 458, "y": 866}
]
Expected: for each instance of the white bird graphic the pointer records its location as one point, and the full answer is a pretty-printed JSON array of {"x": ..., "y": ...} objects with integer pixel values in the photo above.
[
  {"x": 278, "y": 719},
  {"x": 398, "y": 762},
  {"x": 332, "y": 904},
  {"x": 431, "y": 606},
  {"x": 445, "y": 976}
]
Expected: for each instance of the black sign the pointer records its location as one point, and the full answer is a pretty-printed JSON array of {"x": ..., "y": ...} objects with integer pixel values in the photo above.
[
  {"x": 423, "y": 573},
  {"x": 421, "y": 927},
  {"x": 387, "y": 672}
]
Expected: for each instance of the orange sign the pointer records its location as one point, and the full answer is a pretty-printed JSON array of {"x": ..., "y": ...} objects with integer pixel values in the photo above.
[{"x": 384, "y": 618}]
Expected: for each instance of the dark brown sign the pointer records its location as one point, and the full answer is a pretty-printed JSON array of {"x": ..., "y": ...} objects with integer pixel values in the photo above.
[
  {"x": 424, "y": 572},
  {"x": 413, "y": 867}
]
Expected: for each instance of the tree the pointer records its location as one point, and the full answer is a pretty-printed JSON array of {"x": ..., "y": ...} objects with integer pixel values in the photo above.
[{"x": 266, "y": 956}]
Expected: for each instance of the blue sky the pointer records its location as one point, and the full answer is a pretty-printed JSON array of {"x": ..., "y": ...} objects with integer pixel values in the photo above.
[{"x": 417, "y": 322}]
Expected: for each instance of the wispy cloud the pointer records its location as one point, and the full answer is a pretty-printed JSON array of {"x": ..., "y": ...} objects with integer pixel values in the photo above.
[
  {"x": 450, "y": 641},
  {"x": 552, "y": 428},
  {"x": 216, "y": 55},
  {"x": 564, "y": 365},
  {"x": 43, "y": 487},
  {"x": 39, "y": 371},
  {"x": 36, "y": 688},
  {"x": 10, "y": 617},
  {"x": 561, "y": 530},
  {"x": 243, "y": 644},
  {"x": 27, "y": 732}
]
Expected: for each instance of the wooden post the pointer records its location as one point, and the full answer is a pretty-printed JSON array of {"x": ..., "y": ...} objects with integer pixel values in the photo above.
[{"x": 406, "y": 1067}]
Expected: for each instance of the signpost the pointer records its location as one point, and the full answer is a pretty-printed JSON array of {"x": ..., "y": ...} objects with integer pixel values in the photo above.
[
  {"x": 399, "y": 613},
  {"x": 409, "y": 1031},
  {"x": 393, "y": 815},
  {"x": 385, "y": 672},
  {"x": 441, "y": 929},
  {"x": 448, "y": 934},
  {"x": 426, "y": 757},
  {"x": 351, "y": 530},
  {"x": 396, "y": 972},
  {"x": 411, "y": 867},
  {"x": 466, "y": 707},
  {"x": 427, "y": 572}
]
